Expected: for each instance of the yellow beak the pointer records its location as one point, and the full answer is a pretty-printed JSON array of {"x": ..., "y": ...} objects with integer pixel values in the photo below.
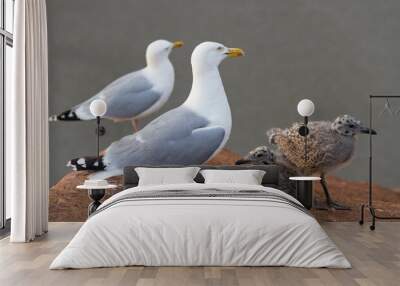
[
  {"x": 235, "y": 52},
  {"x": 177, "y": 44}
]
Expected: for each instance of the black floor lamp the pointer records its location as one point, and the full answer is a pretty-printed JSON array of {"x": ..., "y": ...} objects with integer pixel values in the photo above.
[{"x": 303, "y": 183}]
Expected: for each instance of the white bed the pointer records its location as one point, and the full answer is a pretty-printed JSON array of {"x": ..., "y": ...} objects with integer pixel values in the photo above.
[{"x": 205, "y": 230}]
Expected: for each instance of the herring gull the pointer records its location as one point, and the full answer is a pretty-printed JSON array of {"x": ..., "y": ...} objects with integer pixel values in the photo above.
[{"x": 136, "y": 94}]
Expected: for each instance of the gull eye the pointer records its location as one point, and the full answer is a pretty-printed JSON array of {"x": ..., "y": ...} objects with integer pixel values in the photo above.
[
  {"x": 351, "y": 126},
  {"x": 220, "y": 48}
]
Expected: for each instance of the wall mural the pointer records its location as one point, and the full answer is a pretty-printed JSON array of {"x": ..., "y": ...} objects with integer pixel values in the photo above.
[{"x": 198, "y": 130}]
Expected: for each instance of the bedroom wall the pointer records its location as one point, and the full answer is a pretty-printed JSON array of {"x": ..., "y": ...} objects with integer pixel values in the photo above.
[{"x": 333, "y": 52}]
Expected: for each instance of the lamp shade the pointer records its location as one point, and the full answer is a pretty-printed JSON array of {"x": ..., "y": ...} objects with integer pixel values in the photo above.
[
  {"x": 98, "y": 107},
  {"x": 305, "y": 107}
]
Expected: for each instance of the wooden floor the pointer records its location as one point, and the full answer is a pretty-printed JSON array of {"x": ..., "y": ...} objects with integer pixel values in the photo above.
[{"x": 375, "y": 257}]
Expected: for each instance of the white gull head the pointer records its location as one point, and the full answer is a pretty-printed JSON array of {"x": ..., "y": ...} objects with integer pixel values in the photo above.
[
  {"x": 208, "y": 55},
  {"x": 158, "y": 51}
]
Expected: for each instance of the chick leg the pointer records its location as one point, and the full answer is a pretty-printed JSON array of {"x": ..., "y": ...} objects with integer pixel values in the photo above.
[
  {"x": 135, "y": 125},
  {"x": 329, "y": 201}
]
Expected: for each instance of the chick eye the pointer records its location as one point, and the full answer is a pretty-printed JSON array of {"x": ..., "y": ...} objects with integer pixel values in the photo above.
[{"x": 220, "y": 48}]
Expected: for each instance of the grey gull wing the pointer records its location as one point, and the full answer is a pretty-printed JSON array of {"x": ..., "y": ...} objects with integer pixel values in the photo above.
[
  {"x": 179, "y": 136},
  {"x": 126, "y": 97}
]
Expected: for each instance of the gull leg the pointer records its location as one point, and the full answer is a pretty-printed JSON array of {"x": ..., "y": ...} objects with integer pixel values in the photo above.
[
  {"x": 135, "y": 125},
  {"x": 329, "y": 201}
]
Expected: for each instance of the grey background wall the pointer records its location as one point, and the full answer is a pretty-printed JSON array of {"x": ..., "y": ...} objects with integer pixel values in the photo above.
[{"x": 333, "y": 52}]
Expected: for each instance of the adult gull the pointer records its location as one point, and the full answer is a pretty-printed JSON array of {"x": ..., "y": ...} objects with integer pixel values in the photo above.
[
  {"x": 189, "y": 134},
  {"x": 136, "y": 94}
]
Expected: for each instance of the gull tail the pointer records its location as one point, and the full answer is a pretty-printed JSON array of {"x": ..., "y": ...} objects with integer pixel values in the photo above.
[
  {"x": 102, "y": 175},
  {"x": 68, "y": 115},
  {"x": 87, "y": 163}
]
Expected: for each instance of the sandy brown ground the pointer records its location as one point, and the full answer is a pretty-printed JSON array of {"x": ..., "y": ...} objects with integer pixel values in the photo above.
[
  {"x": 69, "y": 204},
  {"x": 354, "y": 194}
]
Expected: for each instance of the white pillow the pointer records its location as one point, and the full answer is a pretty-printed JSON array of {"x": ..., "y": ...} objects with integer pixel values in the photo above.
[
  {"x": 248, "y": 177},
  {"x": 163, "y": 176}
]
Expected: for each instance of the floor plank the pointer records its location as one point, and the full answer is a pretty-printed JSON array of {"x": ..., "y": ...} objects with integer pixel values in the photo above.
[{"x": 375, "y": 257}]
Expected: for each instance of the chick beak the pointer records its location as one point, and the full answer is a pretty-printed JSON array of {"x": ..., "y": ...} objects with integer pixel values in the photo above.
[
  {"x": 235, "y": 52},
  {"x": 366, "y": 130},
  {"x": 177, "y": 44}
]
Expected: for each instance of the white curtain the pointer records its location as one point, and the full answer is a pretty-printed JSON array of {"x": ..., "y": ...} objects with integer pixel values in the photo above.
[{"x": 27, "y": 117}]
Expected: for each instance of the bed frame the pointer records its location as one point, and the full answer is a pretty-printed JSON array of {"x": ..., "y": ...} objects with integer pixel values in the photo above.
[{"x": 271, "y": 177}]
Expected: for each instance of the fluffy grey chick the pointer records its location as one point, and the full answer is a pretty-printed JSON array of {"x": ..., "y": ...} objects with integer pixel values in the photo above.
[
  {"x": 262, "y": 155},
  {"x": 330, "y": 146}
]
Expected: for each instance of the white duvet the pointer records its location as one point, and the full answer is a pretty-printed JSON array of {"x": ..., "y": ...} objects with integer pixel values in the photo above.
[{"x": 200, "y": 231}]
